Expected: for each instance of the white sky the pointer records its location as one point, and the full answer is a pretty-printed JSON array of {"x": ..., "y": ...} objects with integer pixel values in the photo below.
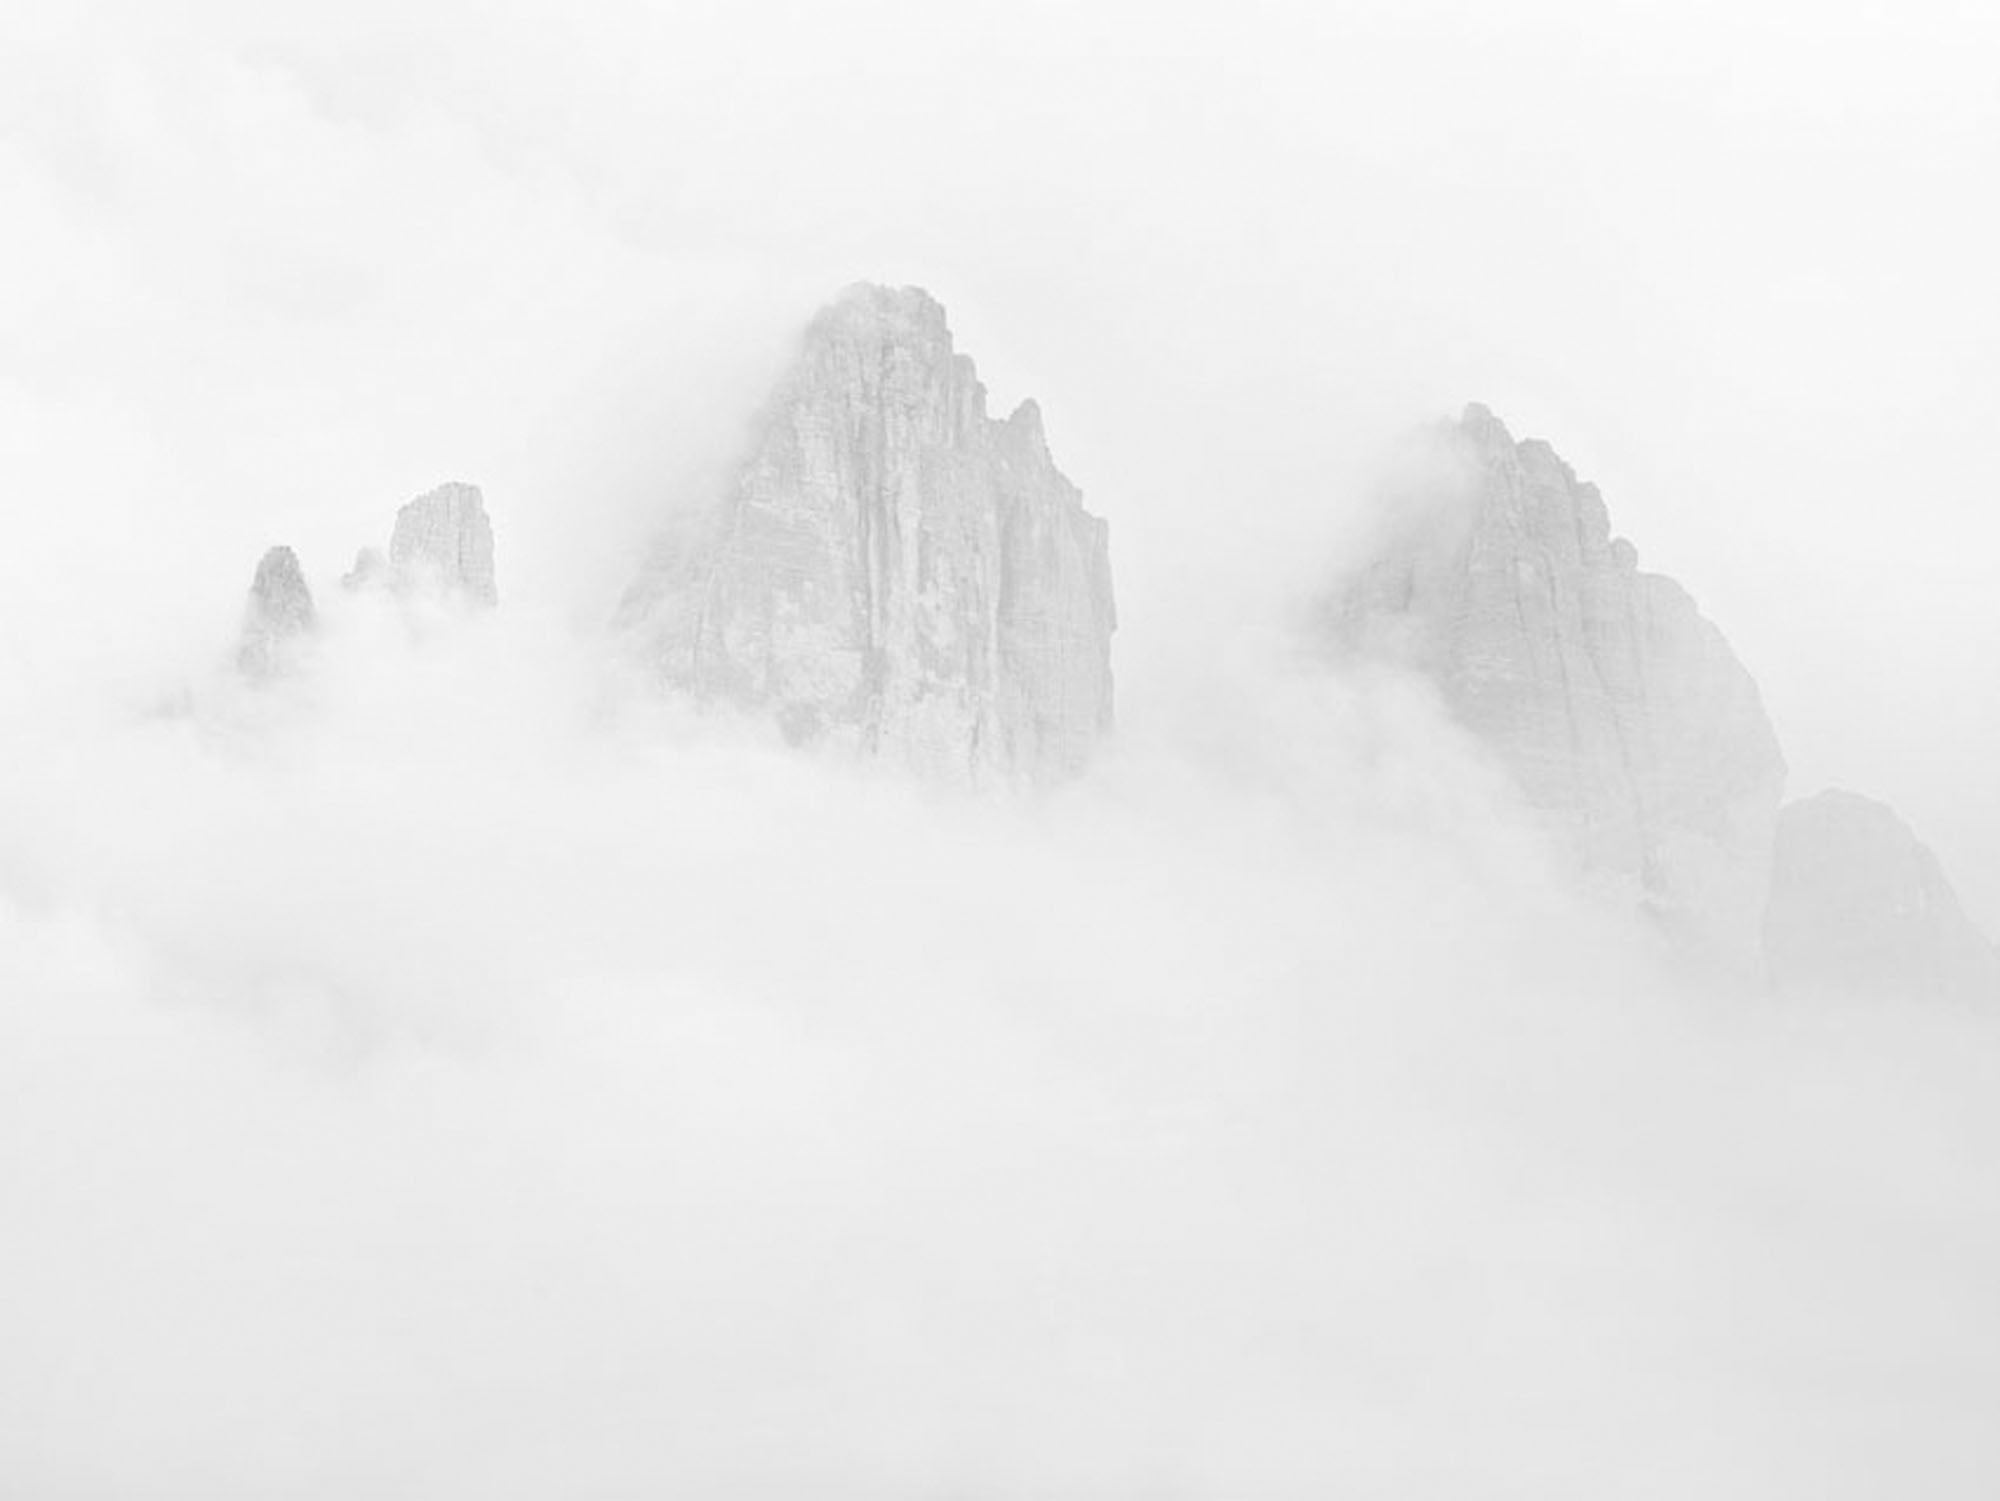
[
  {"x": 459, "y": 1079},
  {"x": 269, "y": 269}
]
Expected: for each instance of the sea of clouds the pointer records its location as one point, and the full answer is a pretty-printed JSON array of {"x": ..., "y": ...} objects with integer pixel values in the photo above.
[{"x": 458, "y": 1073}]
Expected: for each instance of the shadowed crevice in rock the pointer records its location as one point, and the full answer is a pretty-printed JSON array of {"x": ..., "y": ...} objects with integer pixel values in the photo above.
[{"x": 891, "y": 568}]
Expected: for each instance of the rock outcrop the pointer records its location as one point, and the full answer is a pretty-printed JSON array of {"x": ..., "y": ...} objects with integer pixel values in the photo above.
[
  {"x": 370, "y": 570},
  {"x": 1861, "y": 909},
  {"x": 892, "y": 569},
  {"x": 442, "y": 544},
  {"x": 442, "y": 548},
  {"x": 1620, "y": 711},
  {"x": 277, "y": 619}
]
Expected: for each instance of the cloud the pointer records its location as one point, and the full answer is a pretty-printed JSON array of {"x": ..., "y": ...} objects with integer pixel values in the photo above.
[{"x": 454, "y": 1074}]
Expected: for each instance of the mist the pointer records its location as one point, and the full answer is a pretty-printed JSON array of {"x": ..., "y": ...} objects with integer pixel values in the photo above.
[{"x": 460, "y": 1071}]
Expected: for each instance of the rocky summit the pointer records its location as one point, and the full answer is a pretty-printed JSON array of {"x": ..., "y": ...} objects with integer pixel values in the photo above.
[
  {"x": 1860, "y": 909},
  {"x": 442, "y": 544},
  {"x": 277, "y": 618},
  {"x": 891, "y": 568},
  {"x": 1619, "y": 710}
]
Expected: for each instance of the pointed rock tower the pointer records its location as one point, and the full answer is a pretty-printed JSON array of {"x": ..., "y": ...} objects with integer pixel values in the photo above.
[
  {"x": 891, "y": 568},
  {"x": 443, "y": 543},
  {"x": 1621, "y": 712},
  {"x": 277, "y": 618}
]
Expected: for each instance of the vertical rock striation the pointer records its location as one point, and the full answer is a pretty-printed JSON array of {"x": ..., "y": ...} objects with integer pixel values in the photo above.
[
  {"x": 277, "y": 618},
  {"x": 891, "y": 568},
  {"x": 443, "y": 543},
  {"x": 1621, "y": 711},
  {"x": 1861, "y": 909}
]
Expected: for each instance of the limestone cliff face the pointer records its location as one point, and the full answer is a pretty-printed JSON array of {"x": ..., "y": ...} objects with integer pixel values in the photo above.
[
  {"x": 277, "y": 618},
  {"x": 891, "y": 568},
  {"x": 1620, "y": 710},
  {"x": 442, "y": 543},
  {"x": 1861, "y": 909}
]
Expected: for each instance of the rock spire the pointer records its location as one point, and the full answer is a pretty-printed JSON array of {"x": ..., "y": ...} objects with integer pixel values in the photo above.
[
  {"x": 891, "y": 568},
  {"x": 1620, "y": 711},
  {"x": 442, "y": 543},
  {"x": 277, "y": 618}
]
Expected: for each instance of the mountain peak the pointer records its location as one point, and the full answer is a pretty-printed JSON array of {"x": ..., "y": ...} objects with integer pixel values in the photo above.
[
  {"x": 891, "y": 568},
  {"x": 907, "y": 315},
  {"x": 1626, "y": 720},
  {"x": 1478, "y": 421},
  {"x": 277, "y": 616},
  {"x": 443, "y": 542}
]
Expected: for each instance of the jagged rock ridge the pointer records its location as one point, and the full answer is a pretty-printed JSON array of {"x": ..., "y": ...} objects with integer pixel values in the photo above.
[
  {"x": 1620, "y": 711},
  {"x": 891, "y": 568},
  {"x": 278, "y": 616},
  {"x": 1860, "y": 908}
]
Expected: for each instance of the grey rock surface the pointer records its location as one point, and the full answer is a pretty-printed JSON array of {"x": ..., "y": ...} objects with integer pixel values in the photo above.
[
  {"x": 442, "y": 543},
  {"x": 891, "y": 568},
  {"x": 371, "y": 568},
  {"x": 277, "y": 618},
  {"x": 1861, "y": 909},
  {"x": 1621, "y": 712}
]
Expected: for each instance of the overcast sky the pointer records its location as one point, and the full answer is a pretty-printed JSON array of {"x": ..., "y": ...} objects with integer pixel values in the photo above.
[
  {"x": 272, "y": 268},
  {"x": 460, "y": 1079}
]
